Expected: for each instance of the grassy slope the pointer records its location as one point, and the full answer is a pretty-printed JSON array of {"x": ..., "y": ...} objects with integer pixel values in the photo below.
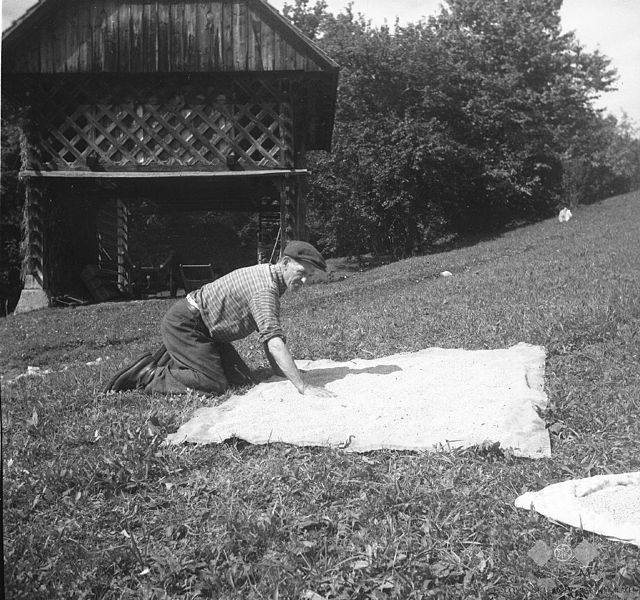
[{"x": 91, "y": 500}]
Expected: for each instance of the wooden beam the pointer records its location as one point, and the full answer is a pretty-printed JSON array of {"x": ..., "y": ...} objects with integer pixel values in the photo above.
[{"x": 165, "y": 174}]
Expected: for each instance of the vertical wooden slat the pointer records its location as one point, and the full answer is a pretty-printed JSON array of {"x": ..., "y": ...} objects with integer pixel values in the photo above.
[
  {"x": 70, "y": 35},
  {"x": 164, "y": 37},
  {"x": 84, "y": 37},
  {"x": 137, "y": 39},
  {"x": 190, "y": 50},
  {"x": 201, "y": 36},
  {"x": 177, "y": 29},
  {"x": 250, "y": 55},
  {"x": 46, "y": 50},
  {"x": 147, "y": 43},
  {"x": 33, "y": 64},
  {"x": 111, "y": 45},
  {"x": 49, "y": 47},
  {"x": 154, "y": 46},
  {"x": 209, "y": 20},
  {"x": 205, "y": 36},
  {"x": 300, "y": 61},
  {"x": 99, "y": 37},
  {"x": 254, "y": 48},
  {"x": 24, "y": 59},
  {"x": 20, "y": 59},
  {"x": 124, "y": 37},
  {"x": 227, "y": 36},
  {"x": 216, "y": 35},
  {"x": 59, "y": 43},
  {"x": 268, "y": 44},
  {"x": 239, "y": 36},
  {"x": 291, "y": 57},
  {"x": 278, "y": 61}
]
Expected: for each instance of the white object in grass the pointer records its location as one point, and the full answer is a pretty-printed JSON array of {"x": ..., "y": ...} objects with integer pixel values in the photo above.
[
  {"x": 564, "y": 215},
  {"x": 437, "y": 398},
  {"x": 605, "y": 504},
  {"x": 446, "y": 274}
]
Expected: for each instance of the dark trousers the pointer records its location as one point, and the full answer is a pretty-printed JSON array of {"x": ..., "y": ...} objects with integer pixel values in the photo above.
[{"x": 195, "y": 361}]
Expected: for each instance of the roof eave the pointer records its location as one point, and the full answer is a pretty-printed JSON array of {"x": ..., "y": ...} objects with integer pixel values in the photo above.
[
  {"x": 32, "y": 14},
  {"x": 328, "y": 63}
]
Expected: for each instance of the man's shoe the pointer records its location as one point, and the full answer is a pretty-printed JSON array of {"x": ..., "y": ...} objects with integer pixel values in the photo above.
[
  {"x": 127, "y": 378},
  {"x": 145, "y": 376}
]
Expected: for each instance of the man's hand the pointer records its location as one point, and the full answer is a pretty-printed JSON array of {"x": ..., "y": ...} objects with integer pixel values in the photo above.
[
  {"x": 319, "y": 392},
  {"x": 279, "y": 355}
]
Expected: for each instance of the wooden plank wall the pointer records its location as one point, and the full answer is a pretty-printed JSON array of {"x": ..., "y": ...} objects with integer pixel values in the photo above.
[{"x": 161, "y": 35}]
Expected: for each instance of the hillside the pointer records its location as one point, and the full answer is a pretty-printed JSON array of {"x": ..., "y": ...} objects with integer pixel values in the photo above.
[{"x": 94, "y": 506}]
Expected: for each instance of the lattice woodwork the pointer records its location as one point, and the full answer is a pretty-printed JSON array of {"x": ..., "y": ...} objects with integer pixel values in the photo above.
[{"x": 95, "y": 124}]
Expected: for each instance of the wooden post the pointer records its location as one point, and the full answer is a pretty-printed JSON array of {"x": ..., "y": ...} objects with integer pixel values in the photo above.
[
  {"x": 122, "y": 241},
  {"x": 112, "y": 228},
  {"x": 33, "y": 295},
  {"x": 292, "y": 210},
  {"x": 288, "y": 217},
  {"x": 286, "y": 129},
  {"x": 301, "y": 207}
]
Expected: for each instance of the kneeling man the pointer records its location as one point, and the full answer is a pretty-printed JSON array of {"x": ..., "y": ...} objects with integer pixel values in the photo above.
[{"x": 197, "y": 331}]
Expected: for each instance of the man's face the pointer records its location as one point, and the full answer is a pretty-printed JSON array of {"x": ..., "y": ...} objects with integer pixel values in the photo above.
[{"x": 296, "y": 273}]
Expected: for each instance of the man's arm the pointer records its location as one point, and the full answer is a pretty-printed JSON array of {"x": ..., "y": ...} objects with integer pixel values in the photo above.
[
  {"x": 278, "y": 352},
  {"x": 272, "y": 361}
]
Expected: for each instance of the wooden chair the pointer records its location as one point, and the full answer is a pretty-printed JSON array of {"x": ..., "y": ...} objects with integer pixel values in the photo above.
[{"x": 195, "y": 276}]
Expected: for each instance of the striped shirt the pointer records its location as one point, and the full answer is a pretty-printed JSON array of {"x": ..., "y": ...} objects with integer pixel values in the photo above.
[{"x": 246, "y": 300}]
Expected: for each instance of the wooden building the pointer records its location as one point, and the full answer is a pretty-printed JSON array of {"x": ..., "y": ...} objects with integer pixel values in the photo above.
[{"x": 204, "y": 104}]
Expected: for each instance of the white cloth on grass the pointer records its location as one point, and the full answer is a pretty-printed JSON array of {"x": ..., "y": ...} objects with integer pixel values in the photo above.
[
  {"x": 605, "y": 504},
  {"x": 425, "y": 400}
]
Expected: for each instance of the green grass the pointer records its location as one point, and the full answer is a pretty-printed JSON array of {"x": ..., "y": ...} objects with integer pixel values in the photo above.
[{"x": 95, "y": 507}]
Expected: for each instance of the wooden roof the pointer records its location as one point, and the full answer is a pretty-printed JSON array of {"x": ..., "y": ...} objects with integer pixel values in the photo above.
[{"x": 158, "y": 36}]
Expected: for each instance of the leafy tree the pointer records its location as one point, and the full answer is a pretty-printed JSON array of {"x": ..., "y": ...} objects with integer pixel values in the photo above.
[
  {"x": 523, "y": 91},
  {"x": 612, "y": 166},
  {"x": 307, "y": 19},
  {"x": 461, "y": 123}
]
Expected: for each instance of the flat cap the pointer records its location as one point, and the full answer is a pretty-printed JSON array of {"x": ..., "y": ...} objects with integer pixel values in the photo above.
[{"x": 299, "y": 250}]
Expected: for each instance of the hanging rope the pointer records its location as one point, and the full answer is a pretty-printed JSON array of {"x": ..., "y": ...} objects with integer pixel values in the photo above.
[{"x": 276, "y": 244}]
